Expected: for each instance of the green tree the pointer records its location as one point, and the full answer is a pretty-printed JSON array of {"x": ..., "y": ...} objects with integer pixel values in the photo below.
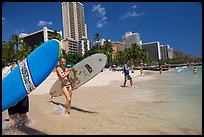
[
  {"x": 108, "y": 51},
  {"x": 119, "y": 57},
  {"x": 72, "y": 57},
  {"x": 145, "y": 58},
  {"x": 55, "y": 35},
  {"x": 15, "y": 41},
  {"x": 135, "y": 54},
  {"x": 24, "y": 51},
  {"x": 97, "y": 37},
  {"x": 8, "y": 53}
]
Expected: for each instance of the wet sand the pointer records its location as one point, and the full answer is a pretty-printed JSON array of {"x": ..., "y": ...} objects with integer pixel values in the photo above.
[{"x": 100, "y": 107}]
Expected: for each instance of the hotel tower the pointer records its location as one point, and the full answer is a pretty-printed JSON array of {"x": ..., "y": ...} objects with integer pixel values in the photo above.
[{"x": 74, "y": 27}]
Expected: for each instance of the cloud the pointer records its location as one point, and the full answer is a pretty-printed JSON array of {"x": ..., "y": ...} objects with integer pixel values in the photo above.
[
  {"x": 100, "y": 14},
  {"x": 43, "y": 23},
  {"x": 134, "y": 7},
  {"x": 101, "y": 22},
  {"x": 18, "y": 31},
  {"x": 101, "y": 11},
  {"x": 132, "y": 13},
  {"x": 3, "y": 20}
]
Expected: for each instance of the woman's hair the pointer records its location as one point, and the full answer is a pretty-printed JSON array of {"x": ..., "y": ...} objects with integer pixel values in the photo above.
[{"x": 61, "y": 57}]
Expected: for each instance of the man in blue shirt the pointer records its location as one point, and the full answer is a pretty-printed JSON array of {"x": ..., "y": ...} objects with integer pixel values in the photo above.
[{"x": 126, "y": 72}]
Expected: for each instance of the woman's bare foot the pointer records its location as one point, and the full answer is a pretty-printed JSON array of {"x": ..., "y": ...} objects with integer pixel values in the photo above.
[{"x": 67, "y": 114}]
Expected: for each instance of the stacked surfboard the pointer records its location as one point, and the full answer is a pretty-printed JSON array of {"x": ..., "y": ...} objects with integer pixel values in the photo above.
[{"x": 30, "y": 73}]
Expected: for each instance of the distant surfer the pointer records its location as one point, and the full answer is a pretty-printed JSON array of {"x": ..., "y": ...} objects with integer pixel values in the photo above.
[
  {"x": 62, "y": 73},
  {"x": 195, "y": 70},
  {"x": 126, "y": 74}
]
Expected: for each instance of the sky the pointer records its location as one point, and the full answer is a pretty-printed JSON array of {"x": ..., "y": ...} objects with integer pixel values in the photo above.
[{"x": 178, "y": 24}]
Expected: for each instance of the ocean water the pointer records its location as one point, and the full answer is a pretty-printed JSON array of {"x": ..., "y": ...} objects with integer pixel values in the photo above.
[{"x": 182, "y": 109}]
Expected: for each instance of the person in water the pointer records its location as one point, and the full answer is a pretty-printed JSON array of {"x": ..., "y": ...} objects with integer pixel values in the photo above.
[
  {"x": 63, "y": 75},
  {"x": 195, "y": 70}
]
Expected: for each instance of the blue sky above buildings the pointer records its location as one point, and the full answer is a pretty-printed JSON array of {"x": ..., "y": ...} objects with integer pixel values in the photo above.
[{"x": 178, "y": 24}]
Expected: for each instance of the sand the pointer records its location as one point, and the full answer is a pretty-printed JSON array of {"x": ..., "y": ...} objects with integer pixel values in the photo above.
[{"x": 99, "y": 107}]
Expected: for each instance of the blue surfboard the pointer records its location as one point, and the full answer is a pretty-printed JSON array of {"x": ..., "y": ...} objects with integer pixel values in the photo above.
[{"x": 30, "y": 73}]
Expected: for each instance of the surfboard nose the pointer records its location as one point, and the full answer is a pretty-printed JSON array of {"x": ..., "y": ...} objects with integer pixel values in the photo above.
[
  {"x": 30, "y": 73},
  {"x": 43, "y": 60}
]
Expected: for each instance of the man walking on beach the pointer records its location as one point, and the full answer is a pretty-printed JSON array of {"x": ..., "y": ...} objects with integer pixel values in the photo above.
[{"x": 126, "y": 74}]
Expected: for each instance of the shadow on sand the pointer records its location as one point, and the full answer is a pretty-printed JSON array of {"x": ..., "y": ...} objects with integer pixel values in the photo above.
[
  {"x": 74, "y": 108},
  {"x": 31, "y": 131}
]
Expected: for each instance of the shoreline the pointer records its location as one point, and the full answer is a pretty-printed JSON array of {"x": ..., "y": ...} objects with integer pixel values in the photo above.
[{"x": 101, "y": 106}]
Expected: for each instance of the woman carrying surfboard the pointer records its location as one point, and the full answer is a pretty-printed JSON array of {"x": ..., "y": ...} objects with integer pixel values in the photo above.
[{"x": 62, "y": 73}]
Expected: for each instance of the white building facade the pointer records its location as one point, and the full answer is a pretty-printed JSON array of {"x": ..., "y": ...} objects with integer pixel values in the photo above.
[
  {"x": 74, "y": 27},
  {"x": 153, "y": 49},
  {"x": 38, "y": 37},
  {"x": 131, "y": 38}
]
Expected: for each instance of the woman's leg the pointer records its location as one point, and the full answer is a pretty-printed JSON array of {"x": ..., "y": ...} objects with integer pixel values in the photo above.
[
  {"x": 70, "y": 94},
  {"x": 68, "y": 99}
]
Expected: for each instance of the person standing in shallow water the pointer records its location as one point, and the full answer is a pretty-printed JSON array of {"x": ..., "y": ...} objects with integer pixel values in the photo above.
[
  {"x": 63, "y": 73},
  {"x": 195, "y": 70}
]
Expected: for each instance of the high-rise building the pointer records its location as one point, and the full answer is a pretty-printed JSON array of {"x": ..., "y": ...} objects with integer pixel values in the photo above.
[
  {"x": 170, "y": 52},
  {"x": 131, "y": 38},
  {"x": 153, "y": 49},
  {"x": 164, "y": 52},
  {"x": 73, "y": 20},
  {"x": 117, "y": 46},
  {"x": 70, "y": 45},
  {"x": 74, "y": 27},
  {"x": 84, "y": 46},
  {"x": 100, "y": 42},
  {"x": 38, "y": 37}
]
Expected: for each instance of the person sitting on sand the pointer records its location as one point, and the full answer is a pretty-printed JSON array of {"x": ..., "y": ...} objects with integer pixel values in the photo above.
[
  {"x": 62, "y": 73},
  {"x": 126, "y": 74}
]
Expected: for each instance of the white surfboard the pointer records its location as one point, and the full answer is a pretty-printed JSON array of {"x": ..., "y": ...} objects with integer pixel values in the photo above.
[{"x": 81, "y": 73}]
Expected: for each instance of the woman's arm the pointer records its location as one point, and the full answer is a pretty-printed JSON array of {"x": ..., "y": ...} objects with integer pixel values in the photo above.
[{"x": 59, "y": 74}]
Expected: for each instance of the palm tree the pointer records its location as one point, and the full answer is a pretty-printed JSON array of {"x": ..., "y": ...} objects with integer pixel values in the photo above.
[
  {"x": 24, "y": 51},
  {"x": 120, "y": 57},
  {"x": 55, "y": 35},
  {"x": 8, "y": 53},
  {"x": 15, "y": 41},
  {"x": 108, "y": 51},
  {"x": 97, "y": 37}
]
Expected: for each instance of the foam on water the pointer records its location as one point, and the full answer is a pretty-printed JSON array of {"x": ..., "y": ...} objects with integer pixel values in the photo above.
[
  {"x": 182, "y": 108},
  {"x": 183, "y": 91}
]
